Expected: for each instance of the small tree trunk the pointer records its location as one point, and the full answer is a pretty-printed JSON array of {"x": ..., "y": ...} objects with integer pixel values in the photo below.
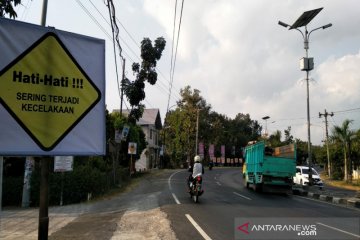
[{"x": 345, "y": 166}]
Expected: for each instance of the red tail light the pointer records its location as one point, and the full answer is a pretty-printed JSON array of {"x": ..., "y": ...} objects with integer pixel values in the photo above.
[{"x": 199, "y": 178}]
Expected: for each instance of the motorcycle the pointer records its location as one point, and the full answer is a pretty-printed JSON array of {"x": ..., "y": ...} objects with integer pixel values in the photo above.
[
  {"x": 195, "y": 188},
  {"x": 211, "y": 164}
]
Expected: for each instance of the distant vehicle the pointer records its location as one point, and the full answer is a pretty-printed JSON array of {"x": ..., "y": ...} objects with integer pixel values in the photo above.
[
  {"x": 302, "y": 176},
  {"x": 267, "y": 169}
]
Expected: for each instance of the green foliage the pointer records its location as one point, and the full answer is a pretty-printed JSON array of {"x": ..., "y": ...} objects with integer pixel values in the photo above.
[
  {"x": 344, "y": 135},
  {"x": 93, "y": 177},
  {"x": 146, "y": 72},
  {"x": 135, "y": 135},
  {"x": 301, "y": 152},
  {"x": 7, "y": 7},
  {"x": 275, "y": 139},
  {"x": 180, "y": 129},
  {"x": 12, "y": 191},
  {"x": 288, "y": 137}
]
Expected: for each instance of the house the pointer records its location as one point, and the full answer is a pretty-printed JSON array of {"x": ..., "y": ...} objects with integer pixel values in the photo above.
[{"x": 150, "y": 123}]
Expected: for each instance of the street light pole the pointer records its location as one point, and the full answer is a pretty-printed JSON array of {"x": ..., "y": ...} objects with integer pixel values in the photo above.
[
  {"x": 266, "y": 118},
  {"x": 197, "y": 132},
  {"x": 307, "y": 65}
]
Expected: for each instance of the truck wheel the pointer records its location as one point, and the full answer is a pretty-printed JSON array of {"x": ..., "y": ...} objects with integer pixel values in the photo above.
[{"x": 257, "y": 187}]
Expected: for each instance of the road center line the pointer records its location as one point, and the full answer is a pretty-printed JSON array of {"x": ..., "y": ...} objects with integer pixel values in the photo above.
[
  {"x": 197, "y": 227},
  {"x": 218, "y": 183},
  {"x": 337, "y": 229},
  {"x": 176, "y": 199},
  {"x": 238, "y": 194}
]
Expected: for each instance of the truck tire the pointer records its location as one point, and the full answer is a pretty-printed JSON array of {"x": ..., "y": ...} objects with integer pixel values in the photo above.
[{"x": 257, "y": 187}]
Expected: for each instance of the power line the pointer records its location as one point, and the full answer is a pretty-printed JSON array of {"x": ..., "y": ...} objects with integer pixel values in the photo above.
[
  {"x": 161, "y": 86},
  {"x": 348, "y": 110},
  {"x": 172, "y": 54},
  {"x": 172, "y": 69},
  {"x": 93, "y": 18}
]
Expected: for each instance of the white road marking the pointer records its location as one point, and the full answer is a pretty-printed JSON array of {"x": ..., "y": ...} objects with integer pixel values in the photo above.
[
  {"x": 337, "y": 229},
  {"x": 169, "y": 180},
  {"x": 169, "y": 183},
  {"x": 218, "y": 183},
  {"x": 176, "y": 199},
  {"x": 238, "y": 194},
  {"x": 197, "y": 227}
]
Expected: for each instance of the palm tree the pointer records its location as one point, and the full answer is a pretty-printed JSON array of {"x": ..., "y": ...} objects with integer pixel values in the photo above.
[{"x": 344, "y": 135}]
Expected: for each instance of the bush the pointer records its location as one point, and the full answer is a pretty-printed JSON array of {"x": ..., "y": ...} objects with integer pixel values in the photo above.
[
  {"x": 338, "y": 175},
  {"x": 77, "y": 184},
  {"x": 12, "y": 191}
]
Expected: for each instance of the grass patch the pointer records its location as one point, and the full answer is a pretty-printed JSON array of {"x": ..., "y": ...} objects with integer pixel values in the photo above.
[
  {"x": 126, "y": 186},
  {"x": 354, "y": 185}
]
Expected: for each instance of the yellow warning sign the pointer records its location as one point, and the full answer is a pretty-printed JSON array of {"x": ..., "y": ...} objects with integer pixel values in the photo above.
[{"x": 46, "y": 91}]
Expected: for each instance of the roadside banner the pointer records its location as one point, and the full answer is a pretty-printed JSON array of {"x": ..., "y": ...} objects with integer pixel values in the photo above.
[
  {"x": 63, "y": 163},
  {"x": 201, "y": 150},
  {"x": 211, "y": 150},
  {"x": 52, "y": 89},
  {"x": 222, "y": 151}
]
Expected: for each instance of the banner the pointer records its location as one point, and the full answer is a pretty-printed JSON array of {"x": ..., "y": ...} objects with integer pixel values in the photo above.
[
  {"x": 211, "y": 150},
  {"x": 201, "y": 150},
  {"x": 52, "y": 91},
  {"x": 222, "y": 151}
]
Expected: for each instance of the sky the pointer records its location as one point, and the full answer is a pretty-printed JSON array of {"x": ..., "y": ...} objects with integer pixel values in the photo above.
[{"x": 234, "y": 52}]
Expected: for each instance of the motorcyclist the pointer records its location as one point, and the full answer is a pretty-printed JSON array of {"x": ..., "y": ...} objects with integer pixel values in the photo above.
[
  {"x": 197, "y": 170},
  {"x": 211, "y": 164}
]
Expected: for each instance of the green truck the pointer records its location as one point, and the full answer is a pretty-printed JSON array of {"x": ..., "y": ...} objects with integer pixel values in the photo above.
[{"x": 267, "y": 169}]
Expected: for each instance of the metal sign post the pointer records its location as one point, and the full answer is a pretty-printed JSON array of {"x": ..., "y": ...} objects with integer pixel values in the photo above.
[{"x": 1, "y": 179}]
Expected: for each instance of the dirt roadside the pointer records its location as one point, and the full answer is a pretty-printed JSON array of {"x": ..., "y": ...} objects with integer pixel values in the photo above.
[{"x": 140, "y": 217}]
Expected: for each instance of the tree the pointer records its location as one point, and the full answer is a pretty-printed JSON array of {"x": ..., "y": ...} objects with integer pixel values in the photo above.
[
  {"x": 214, "y": 128},
  {"x": 288, "y": 137},
  {"x": 146, "y": 72},
  {"x": 7, "y": 7},
  {"x": 344, "y": 135},
  {"x": 275, "y": 139}
]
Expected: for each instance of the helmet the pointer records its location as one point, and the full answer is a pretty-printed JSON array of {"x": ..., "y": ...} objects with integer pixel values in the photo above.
[{"x": 197, "y": 158}]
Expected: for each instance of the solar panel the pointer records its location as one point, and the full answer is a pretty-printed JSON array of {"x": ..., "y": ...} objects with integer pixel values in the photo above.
[{"x": 305, "y": 18}]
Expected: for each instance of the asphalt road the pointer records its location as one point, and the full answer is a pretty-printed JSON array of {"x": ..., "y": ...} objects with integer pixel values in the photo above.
[
  {"x": 226, "y": 205},
  {"x": 159, "y": 207}
]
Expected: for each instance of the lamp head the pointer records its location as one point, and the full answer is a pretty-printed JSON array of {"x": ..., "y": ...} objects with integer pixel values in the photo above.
[
  {"x": 327, "y": 26},
  {"x": 283, "y": 24}
]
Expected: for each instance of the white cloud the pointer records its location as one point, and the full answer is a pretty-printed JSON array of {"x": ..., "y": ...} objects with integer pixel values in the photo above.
[{"x": 237, "y": 55}]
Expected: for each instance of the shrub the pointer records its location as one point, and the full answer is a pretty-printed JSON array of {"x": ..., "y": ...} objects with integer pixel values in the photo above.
[
  {"x": 77, "y": 184},
  {"x": 12, "y": 191}
]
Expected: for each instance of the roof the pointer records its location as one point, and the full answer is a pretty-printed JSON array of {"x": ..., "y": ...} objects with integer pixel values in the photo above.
[{"x": 150, "y": 117}]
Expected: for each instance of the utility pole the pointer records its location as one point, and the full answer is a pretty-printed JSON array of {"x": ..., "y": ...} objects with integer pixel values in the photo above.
[
  {"x": 326, "y": 114},
  {"x": 122, "y": 87}
]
